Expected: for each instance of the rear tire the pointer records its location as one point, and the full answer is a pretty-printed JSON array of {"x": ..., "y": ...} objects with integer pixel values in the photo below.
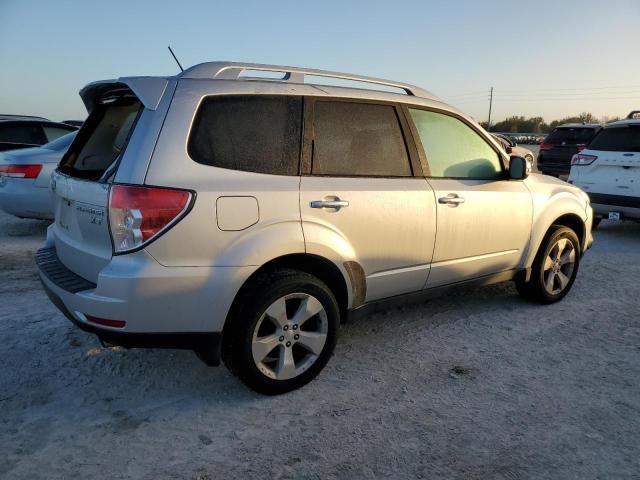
[
  {"x": 281, "y": 331},
  {"x": 555, "y": 267}
]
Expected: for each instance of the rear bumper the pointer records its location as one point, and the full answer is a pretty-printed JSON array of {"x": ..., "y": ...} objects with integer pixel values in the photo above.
[
  {"x": 208, "y": 343},
  {"x": 20, "y": 197},
  {"x": 553, "y": 166},
  {"x": 163, "y": 307},
  {"x": 603, "y": 203},
  {"x": 555, "y": 169},
  {"x": 614, "y": 200}
]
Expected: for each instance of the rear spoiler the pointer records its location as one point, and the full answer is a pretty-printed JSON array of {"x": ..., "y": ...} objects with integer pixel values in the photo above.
[
  {"x": 149, "y": 90},
  {"x": 633, "y": 114}
]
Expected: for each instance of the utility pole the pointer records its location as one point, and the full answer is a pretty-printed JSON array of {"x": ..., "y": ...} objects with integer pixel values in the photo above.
[{"x": 490, "y": 103}]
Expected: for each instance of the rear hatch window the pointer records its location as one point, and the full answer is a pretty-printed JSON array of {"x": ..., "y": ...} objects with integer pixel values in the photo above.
[
  {"x": 570, "y": 136},
  {"x": 102, "y": 138},
  {"x": 618, "y": 139}
]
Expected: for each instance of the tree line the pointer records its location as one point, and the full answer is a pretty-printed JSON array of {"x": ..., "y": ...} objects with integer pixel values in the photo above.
[{"x": 518, "y": 123}]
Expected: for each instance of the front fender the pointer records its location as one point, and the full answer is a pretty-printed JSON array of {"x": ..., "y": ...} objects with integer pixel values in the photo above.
[{"x": 548, "y": 208}]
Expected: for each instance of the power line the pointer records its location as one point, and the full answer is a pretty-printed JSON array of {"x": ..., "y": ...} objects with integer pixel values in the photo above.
[
  {"x": 558, "y": 91},
  {"x": 544, "y": 99},
  {"x": 593, "y": 94},
  {"x": 572, "y": 88}
]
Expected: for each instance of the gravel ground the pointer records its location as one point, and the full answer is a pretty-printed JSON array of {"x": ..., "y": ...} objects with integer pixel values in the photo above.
[{"x": 476, "y": 385}]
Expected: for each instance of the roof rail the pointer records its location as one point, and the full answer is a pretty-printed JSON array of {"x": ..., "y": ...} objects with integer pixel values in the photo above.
[{"x": 233, "y": 70}]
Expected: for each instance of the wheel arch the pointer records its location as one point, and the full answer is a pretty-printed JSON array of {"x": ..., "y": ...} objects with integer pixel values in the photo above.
[
  {"x": 343, "y": 280},
  {"x": 570, "y": 220},
  {"x": 575, "y": 223}
]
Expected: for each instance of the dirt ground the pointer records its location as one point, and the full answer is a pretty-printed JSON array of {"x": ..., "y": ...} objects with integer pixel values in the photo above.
[{"x": 476, "y": 385}]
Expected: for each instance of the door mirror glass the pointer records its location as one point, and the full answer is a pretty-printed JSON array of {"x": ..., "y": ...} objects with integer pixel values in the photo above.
[{"x": 519, "y": 168}]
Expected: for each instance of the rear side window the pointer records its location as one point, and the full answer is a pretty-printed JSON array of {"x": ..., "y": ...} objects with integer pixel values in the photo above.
[
  {"x": 102, "y": 138},
  {"x": 253, "y": 133},
  {"x": 62, "y": 143},
  {"x": 617, "y": 139},
  {"x": 28, "y": 133},
  {"x": 358, "y": 139},
  {"x": 570, "y": 136},
  {"x": 53, "y": 133},
  {"x": 453, "y": 149}
]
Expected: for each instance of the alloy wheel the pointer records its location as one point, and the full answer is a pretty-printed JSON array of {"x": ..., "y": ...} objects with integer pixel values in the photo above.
[
  {"x": 558, "y": 266},
  {"x": 289, "y": 336}
]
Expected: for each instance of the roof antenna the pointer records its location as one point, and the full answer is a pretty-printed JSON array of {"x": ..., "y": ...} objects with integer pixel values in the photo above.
[{"x": 175, "y": 58}]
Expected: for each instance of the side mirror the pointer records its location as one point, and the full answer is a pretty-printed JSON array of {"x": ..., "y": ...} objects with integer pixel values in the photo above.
[
  {"x": 508, "y": 149},
  {"x": 519, "y": 168}
]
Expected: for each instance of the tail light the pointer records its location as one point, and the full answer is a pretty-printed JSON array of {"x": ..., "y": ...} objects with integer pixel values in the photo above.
[
  {"x": 20, "y": 171},
  {"x": 137, "y": 215},
  {"x": 581, "y": 159},
  {"x": 106, "y": 322},
  {"x": 581, "y": 146},
  {"x": 545, "y": 146}
]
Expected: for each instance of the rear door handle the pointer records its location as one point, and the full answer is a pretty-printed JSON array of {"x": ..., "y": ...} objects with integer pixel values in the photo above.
[
  {"x": 452, "y": 199},
  {"x": 329, "y": 204}
]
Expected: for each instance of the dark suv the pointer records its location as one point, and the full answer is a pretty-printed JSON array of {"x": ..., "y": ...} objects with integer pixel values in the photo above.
[
  {"x": 21, "y": 131},
  {"x": 561, "y": 144}
]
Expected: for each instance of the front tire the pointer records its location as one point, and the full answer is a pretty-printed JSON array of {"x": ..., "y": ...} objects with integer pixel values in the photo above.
[
  {"x": 555, "y": 267},
  {"x": 281, "y": 332}
]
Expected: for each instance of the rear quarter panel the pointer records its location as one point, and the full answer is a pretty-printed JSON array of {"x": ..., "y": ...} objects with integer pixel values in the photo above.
[{"x": 198, "y": 240}]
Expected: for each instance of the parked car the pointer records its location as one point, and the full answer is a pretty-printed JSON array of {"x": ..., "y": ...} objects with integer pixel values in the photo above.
[
  {"x": 512, "y": 148},
  {"x": 4, "y": 116},
  {"x": 20, "y": 131},
  {"x": 25, "y": 176},
  {"x": 556, "y": 151},
  {"x": 74, "y": 123},
  {"x": 609, "y": 171},
  {"x": 245, "y": 218}
]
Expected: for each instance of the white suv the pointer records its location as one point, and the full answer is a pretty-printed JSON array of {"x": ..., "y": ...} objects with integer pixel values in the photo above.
[
  {"x": 609, "y": 170},
  {"x": 245, "y": 217}
]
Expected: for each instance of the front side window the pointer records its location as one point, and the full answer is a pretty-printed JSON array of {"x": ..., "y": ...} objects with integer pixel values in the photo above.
[
  {"x": 358, "y": 139},
  {"x": 453, "y": 149},
  {"x": 254, "y": 133}
]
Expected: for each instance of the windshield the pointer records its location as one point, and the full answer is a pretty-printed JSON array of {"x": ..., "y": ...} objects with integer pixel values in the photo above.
[
  {"x": 62, "y": 143},
  {"x": 570, "y": 136},
  {"x": 618, "y": 139},
  {"x": 102, "y": 138}
]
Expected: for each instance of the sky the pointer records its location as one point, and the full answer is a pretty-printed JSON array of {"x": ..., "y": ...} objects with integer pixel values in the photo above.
[{"x": 543, "y": 58}]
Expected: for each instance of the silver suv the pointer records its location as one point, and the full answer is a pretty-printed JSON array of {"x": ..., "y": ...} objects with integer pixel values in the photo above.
[{"x": 244, "y": 211}]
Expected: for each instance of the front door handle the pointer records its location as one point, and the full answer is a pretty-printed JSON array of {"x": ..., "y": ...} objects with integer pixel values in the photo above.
[
  {"x": 329, "y": 204},
  {"x": 452, "y": 200}
]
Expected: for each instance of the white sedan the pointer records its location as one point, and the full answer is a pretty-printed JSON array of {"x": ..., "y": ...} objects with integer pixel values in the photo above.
[
  {"x": 25, "y": 176},
  {"x": 512, "y": 148}
]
